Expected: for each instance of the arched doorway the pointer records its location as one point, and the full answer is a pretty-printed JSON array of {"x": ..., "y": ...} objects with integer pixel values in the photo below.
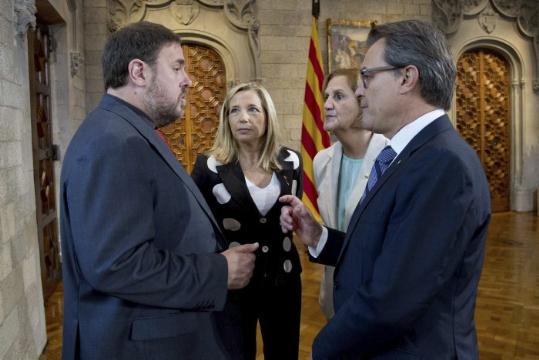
[
  {"x": 193, "y": 134},
  {"x": 483, "y": 118}
]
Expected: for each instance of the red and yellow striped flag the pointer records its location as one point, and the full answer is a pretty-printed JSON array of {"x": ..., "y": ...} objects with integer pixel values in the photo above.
[{"x": 313, "y": 136}]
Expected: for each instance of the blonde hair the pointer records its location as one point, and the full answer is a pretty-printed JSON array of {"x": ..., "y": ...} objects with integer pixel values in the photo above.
[{"x": 226, "y": 149}]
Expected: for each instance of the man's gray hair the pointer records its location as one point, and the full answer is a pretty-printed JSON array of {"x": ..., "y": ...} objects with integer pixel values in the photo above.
[{"x": 418, "y": 43}]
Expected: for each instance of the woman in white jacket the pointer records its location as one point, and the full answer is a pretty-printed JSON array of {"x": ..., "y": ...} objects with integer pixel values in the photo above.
[{"x": 342, "y": 170}]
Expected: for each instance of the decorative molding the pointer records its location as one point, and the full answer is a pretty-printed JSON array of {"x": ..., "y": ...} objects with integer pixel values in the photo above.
[
  {"x": 76, "y": 60},
  {"x": 239, "y": 13},
  {"x": 448, "y": 15},
  {"x": 487, "y": 20},
  {"x": 242, "y": 15},
  {"x": 473, "y": 7},
  {"x": 509, "y": 8},
  {"x": 25, "y": 13},
  {"x": 123, "y": 12},
  {"x": 212, "y": 2},
  {"x": 185, "y": 11}
]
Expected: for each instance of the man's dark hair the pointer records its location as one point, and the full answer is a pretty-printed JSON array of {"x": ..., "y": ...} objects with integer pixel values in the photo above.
[
  {"x": 141, "y": 40},
  {"x": 419, "y": 43}
]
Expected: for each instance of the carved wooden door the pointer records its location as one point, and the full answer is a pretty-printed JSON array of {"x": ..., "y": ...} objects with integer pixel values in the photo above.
[
  {"x": 193, "y": 134},
  {"x": 484, "y": 117},
  {"x": 44, "y": 154}
]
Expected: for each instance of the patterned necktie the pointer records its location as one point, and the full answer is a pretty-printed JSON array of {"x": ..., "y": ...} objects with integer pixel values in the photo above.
[{"x": 381, "y": 164}]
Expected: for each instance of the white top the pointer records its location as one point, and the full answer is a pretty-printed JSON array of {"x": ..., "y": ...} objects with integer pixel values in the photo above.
[
  {"x": 398, "y": 143},
  {"x": 264, "y": 198}
]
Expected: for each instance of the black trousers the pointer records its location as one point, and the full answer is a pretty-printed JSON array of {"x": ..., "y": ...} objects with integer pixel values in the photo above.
[{"x": 276, "y": 307}]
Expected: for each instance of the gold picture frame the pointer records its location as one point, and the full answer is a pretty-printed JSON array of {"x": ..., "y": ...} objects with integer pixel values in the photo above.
[{"x": 347, "y": 42}]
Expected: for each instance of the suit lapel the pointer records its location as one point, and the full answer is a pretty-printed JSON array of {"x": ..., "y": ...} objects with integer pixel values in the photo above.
[
  {"x": 147, "y": 131},
  {"x": 439, "y": 125},
  {"x": 234, "y": 180}
]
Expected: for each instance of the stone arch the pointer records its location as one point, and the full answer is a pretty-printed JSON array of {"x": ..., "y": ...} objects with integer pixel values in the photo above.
[
  {"x": 483, "y": 26},
  {"x": 230, "y": 27}
]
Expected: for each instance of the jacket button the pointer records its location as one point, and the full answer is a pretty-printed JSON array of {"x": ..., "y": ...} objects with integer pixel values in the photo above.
[
  {"x": 265, "y": 248},
  {"x": 263, "y": 220}
]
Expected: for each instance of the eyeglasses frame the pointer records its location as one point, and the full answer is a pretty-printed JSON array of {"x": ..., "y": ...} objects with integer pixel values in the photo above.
[{"x": 366, "y": 73}]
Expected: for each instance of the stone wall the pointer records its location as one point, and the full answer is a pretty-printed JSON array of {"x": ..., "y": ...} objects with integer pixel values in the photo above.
[
  {"x": 22, "y": 316},
  {"x": 22, "y": 323}
]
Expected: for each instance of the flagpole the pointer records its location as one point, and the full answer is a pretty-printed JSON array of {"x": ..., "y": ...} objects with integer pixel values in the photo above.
[{"x": 313, "y": 136}]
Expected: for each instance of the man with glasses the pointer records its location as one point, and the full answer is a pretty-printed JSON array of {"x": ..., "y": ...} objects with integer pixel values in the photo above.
[{"x": 408, "y": 267}]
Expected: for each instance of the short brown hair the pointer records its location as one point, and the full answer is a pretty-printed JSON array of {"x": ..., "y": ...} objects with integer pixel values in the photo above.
[{"x": 141, "y": 40}]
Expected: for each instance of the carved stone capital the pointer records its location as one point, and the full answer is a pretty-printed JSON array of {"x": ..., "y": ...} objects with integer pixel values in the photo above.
[
  {"x": 76, "y": 59},
  {"x": 25, "y": 11},
  {"x": 186, "y": 11},
  {"x": 240, "y": 13},
  {"x": 123, "y": 12},
  {"x": 447, "y": 15}
]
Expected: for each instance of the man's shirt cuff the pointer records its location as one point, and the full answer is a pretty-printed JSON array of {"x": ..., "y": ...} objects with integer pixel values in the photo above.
[{"x": 315, "y": 252}]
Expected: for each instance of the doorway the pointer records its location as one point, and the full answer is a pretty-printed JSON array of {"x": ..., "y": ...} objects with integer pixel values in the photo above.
[
  {"x": 195, "y": 131},
  {"x": 483, "y": 111},
  {"x": 44, "y": 154}
]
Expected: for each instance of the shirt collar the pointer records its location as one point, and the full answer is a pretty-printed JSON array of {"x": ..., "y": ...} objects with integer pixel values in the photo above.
[{"x": 408, "y": 132}]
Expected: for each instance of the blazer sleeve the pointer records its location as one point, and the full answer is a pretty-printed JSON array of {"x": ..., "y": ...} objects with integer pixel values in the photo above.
[
  {"x": 109, "y": 204},
  {"x": 430, "y": 226},
  {"x": 199, "y": 173}
]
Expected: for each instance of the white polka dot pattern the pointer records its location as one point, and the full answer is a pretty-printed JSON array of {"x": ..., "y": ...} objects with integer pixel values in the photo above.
[
  {"x": 293, "y": 157},
  {"x": 221, "y": 193},
  {"x": 287, "y": 244},
  {"x": 231, "y": 224},
  {"x": 233, "y": 244},
  {"x": 212, "y": 164}
]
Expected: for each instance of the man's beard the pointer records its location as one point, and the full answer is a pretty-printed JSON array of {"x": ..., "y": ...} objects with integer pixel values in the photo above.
[{"x": 161, "y": 110}]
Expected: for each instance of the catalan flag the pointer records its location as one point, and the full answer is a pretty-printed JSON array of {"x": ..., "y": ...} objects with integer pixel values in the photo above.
[{"x": 313, "y": 136}]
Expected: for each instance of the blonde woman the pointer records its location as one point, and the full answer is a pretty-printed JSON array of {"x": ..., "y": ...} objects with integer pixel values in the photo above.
[
  {"x": 342, "y": 170},
  {"x": 242, "y": 178}
]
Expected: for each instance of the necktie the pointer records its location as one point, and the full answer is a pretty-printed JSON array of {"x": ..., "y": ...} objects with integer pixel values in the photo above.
[{"x": 381, "y": 164}]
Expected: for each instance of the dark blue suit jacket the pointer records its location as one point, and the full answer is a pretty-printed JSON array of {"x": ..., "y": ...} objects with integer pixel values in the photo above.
[
  {"x": 408, "y": 267},
  {"x": 141, "y": 273}
]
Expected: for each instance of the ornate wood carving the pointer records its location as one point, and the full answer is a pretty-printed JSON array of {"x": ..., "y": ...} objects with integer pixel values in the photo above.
[
  {"x": 25, "y": 13},
  {"x": 447, "y": 15},
  {"x": 483, "y": 117},
  {"x": 193, "y": 134},
  {"x": 43, "y": 156}
]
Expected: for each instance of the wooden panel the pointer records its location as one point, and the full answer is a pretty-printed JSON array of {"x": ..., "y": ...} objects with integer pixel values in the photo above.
[
  {"x": 193, "y": 134},
  {"x": 483, "y": 117},
  {"x": 43, "y": 157}
]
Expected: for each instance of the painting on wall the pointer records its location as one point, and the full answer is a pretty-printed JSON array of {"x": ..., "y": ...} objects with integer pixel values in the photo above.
[{"x": 347, "y": 42}]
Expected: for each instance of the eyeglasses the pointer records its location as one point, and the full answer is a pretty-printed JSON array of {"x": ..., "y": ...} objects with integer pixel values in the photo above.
[{"x": 368, "y": 73}]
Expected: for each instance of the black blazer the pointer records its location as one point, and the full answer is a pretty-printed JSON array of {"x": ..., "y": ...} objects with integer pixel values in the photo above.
[
  {"x": 239, "y": 218},
  {"x": 141, "y": 273},
  {"x": 408, "y": 268}
]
